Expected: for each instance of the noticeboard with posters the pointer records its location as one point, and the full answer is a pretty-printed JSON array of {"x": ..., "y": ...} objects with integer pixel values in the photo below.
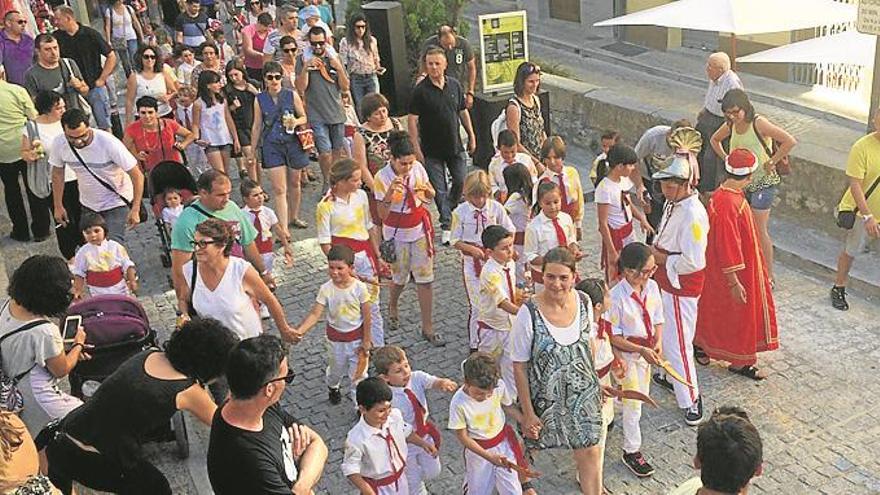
[
  {"x": 868, "y": 20},
  {"x": 503, "y": 46}
]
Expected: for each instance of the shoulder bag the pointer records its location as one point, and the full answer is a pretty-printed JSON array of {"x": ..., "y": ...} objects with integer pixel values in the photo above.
[
  {"x": 142, "y": 210},
  {"x": 39, "y": 173},
  {"x": 846, "y": 219},
  {"x": 783, "y": 168},
  {"x": 387, "y": 248},
  {"x": 80, "y": 99},
  {"x": 11, "y": 398}
]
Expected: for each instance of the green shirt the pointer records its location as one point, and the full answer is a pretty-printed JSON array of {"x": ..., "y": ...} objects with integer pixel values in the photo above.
[
  {"x": 689, "y": 487},
  {"x": 185, "y": 227},
  {"x": 15, "y": 109},
  {"x": 864, "y": 164}
]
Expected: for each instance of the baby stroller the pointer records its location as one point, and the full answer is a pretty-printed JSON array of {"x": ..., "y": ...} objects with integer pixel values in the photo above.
[
  {"x": 168, "y": 174},
  {"x": 118, "y": 328}
]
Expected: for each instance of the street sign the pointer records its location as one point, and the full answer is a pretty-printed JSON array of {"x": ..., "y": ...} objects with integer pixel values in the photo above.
[
  {"x": 868, "y": 20},
  {"x": 503, "y": 46}
]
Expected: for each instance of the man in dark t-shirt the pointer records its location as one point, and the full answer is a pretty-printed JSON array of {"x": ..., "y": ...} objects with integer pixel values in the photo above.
[{"x": 255, "y": 446}]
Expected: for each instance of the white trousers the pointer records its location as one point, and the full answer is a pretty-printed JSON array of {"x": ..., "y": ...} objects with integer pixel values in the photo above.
[
  {"x": 494, "y": 342},
  {"x": 342, "y": 358},
  {"x": 472, "y": 287},
  {"x": 521, "y": 263},
  {"x": 680, "y": 315},
  {"x": 364, "y": 268},
  {"x": 420, "y": 466},
  {"x": 483, "y": 478},
  {"x": 638, "y": 377}
]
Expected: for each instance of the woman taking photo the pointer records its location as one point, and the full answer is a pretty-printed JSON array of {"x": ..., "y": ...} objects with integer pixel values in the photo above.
[
  {"x": 370, "y": 148},
  {"x": 359, "y": 52},
  {"x": 225, "y": 288},
  {"x": 98, "y": 445},
  {"x": 40, "y": 291},
  {"x": 123, "y": 30},
  {"x": 241, "y": 95},
  {"x": 212, "y": 122},
  {"x": 153, "y": 140},
  {"x": 559, "y": 394},
  {"x": 277, "y": 114},
  {"x": 36, "y": 140},
  {"x": 755, "y": 133},
  {"x": 523, "y": 111},
  {"x": 149, "y": 79}
]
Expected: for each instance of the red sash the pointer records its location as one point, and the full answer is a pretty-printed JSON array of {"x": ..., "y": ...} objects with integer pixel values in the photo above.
[
  {"x": 519, "y": 239},
  {"x": 642, "y": 341},
  {"x": 416, "y": 216},
  {"x": 617, "y": 238},
  {"x": 391, "y": 478},
  {"x": 507, "y": 434},
  {"x": 691, "y": 283},
  {"x": 422, "y": 426},
  {"x": 478, "y": 263},
  {"x": 646, "y": 320},
  {"x": 359, "y": 246},
  {"x": 601, "y": 372},
  {"x": 334, "y": 335},
  {"x": 104, "y": 279}
]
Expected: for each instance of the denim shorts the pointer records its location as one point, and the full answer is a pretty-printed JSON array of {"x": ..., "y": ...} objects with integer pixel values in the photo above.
[
  {"x": 280, "y": 154},
  {"x": 762, "y": 199},
  {"x": 328, "y": 137}
]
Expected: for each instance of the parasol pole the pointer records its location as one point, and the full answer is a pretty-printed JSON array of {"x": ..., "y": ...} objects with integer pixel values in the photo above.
[{"x": 733, "y": 51}]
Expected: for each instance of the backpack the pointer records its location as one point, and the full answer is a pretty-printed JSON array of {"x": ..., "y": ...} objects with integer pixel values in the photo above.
[
  {"x": 500, "y": 122},
  {"x": 10, "y": 396}
]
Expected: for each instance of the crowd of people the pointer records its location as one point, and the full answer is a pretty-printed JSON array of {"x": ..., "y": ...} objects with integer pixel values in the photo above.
[{"x": 551, "y": 351}]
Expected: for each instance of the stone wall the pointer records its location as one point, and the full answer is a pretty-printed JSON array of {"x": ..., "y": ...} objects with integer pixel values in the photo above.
[{"x": 580, "y": 111}]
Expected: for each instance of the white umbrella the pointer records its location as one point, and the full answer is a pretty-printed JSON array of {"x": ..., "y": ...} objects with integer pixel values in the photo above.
[
  {"x": 740, "y": 17},
  {"x": 848, "y": 47}
]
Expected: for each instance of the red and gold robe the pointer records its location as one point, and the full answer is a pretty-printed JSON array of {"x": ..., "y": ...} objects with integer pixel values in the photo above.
[{"x": 726, "y": 329}]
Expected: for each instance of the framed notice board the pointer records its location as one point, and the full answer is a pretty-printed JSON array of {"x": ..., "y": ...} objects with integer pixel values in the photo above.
[{"x": 503, "y": 46}]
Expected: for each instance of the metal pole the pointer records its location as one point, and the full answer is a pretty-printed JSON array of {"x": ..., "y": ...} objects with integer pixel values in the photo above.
[{"x": 875, "y": 86}]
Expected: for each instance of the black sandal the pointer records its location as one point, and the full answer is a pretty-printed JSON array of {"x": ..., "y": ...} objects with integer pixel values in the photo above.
[
  {"x": 749, "y": 371},
  {"x": 701, "y": 357}
]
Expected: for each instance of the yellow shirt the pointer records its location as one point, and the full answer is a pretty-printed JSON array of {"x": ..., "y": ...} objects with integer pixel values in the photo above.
[
  {"x": 15, "y": 109},
  {"x": 494, "y": 290},
  {"x": 864, "y": 163},
  {"x": 574, "y": 191}
]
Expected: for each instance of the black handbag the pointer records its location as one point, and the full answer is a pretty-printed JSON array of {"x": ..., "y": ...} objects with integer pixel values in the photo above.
[
  {"x": 142, "y": 210},
  {"x": 387, "y": 248},
  {"x": 846, "y": 219}
]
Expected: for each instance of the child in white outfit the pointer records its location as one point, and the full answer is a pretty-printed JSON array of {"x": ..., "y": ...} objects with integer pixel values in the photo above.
[
  {"x": 173, "y": 207},
  {"x": 102, "y": 265}
]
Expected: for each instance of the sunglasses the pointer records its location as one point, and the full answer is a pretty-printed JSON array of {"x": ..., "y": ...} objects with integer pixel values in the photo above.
[
  {"x": 317, "y": 43},
  {"x": 203, "y": 243},
  {"x": 288, "y": 378},
  {"x": 149, "y": 57},
  {"x": 290, "y": 50},
  {"x": 273, "y": 77},
  {"x": 21, "y": 22},
  {"x": 530, "y": 69}
]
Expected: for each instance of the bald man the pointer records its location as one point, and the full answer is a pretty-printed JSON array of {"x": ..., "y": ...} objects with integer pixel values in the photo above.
[
  {"x": 710, "y": 118},
  {"x": 461, "y": 61}
]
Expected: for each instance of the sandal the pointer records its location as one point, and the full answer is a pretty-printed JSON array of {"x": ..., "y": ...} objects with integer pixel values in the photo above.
[
  {"x": 393, "y": 322},
  {"x": 435, "y": 340},
  {"x": 749, "y": 371},
  {"x": 299, "y": 224},
  {"x": 701, "y": 357}
]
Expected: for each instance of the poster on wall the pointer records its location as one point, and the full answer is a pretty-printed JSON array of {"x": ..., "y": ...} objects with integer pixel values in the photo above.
[{"x": 503, "y": 46}]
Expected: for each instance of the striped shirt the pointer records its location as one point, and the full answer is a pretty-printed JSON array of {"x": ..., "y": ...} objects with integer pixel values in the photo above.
[{"x": 718, "y": 88}]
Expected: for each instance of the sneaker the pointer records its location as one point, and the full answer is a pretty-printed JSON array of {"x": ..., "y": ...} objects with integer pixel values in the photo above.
[
  {"x": 693, "y": 415},
  {"x": 637, "y": 464},
  {"x": 334, "y": 395},
  {"x": 445, "y": 237},
  {"x": 838, "y": 298},
  {"x": 661, "y": 380}
]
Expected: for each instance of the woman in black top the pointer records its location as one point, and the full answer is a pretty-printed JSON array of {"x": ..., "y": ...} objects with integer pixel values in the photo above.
[
  {"x": 240, "y": 93},
  {"x": 98, "y": 443}
]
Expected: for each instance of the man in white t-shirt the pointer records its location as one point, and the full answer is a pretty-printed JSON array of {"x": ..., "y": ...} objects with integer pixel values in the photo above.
[{"x": 110, "y": 183}]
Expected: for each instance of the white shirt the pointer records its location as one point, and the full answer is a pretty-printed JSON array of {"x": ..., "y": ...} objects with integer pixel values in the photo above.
[
  {"x": 343, "y": 305},
  {"x": 625, "y": 314},
  {"x": 541, "y": 235},
  {"x": 100, "y": 258},
  {"x": 497, "y": 166},
  {"x": 341, "y": 218},
  {"x": 683, "y": 230},
  {"x": 494, "y": 289},
  {"x": 419, "y": 382},
  {"x": 717, "y": 89},
  {"x": 483, "y": 420},
  {"x": 523, "y": 332},
  {"x": 417, "y": 177},
  {"x": 47, "y": 134},
  {"x": 108, "y": 158},
  {"x": 469, "y": 222},
  {"x": 170, "y": 215},
  {"x": 519, "y": 212},
  {"x": 367, "y": 451},
  {"x": 268, "y": 219},
  {"x": 612, "y": 194},
  {"x": 228, "y": 302},
  {"x": 184, "y": 74}
]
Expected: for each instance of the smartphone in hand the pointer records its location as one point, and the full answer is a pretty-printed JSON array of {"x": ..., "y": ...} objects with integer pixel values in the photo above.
[{"x": 71, "y": 325}]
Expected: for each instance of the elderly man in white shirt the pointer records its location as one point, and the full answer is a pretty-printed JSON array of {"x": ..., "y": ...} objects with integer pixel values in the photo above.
[{"x": 721, "y": 80}]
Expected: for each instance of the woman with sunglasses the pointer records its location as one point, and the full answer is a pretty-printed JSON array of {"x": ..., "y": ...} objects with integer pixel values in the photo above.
[
  {"x": 241, "y": 94},
  {"x": 153, "y": 140},
  {"x": 560, "y": 394},
  {"x": 523, "y": 111},
  {"x": 359, "y": 52},
  {"x": 289, "y": 48},
  {"x": 149, "y": 79},
  {"x": 98, "y": 444},
  {"x": 227, "y": 288},
  {"x": 278, "y": 112}
]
